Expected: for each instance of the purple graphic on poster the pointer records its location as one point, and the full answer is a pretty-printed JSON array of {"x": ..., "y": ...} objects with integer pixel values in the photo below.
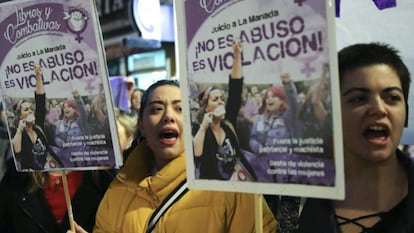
[
  {"x": 275, "y": 127},
  {"x": 59, "y": 116}
]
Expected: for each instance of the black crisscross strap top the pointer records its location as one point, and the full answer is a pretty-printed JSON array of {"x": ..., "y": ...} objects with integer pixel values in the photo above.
[{"x": 387, "y": 219}]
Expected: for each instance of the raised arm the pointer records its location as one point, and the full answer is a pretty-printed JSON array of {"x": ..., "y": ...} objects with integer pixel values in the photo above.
[
  {"x": 236, "y": 70},
  {"x": 40, "y": 98},
  {"x": 291, "y": 114},
  {"x": 39, "y": 82},
  {"x": 234, "y": 100}
]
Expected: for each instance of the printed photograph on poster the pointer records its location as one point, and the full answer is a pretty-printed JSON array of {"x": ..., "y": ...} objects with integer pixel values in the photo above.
[
  {"x": 261, "y": 91},
  {"x": 54, "y": 85}
]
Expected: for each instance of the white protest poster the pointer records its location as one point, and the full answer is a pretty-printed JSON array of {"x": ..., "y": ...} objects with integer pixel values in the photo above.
[
  {"x": 60, "y": 117},
  {"x": 278, "y": 129},
  {"x": 390, "y": 25}
]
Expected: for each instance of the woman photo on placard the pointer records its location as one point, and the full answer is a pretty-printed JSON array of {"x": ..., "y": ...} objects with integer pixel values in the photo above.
[
  {"x": 216, "y": 144},
  {"x": 70, "y": 129},
  {"x": 270, "y": 138},
  {"x": 30, "y": 143}
]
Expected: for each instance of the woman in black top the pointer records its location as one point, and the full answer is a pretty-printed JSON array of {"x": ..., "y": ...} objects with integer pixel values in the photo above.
[
  {"x": 374, "y": 86},
  {"x": 29, "y": 141},
  {"x": 216, "y": 146}
]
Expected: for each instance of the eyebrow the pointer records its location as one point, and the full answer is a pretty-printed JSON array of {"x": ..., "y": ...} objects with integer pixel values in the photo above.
[
  {"x": 366, "y": 90},
  {"x": 162, "y": 102}
]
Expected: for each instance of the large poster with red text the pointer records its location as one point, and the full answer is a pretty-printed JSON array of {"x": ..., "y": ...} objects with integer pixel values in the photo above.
[
  {"x": 261, "y": 99},
  {"x": 54, "y": 85}
]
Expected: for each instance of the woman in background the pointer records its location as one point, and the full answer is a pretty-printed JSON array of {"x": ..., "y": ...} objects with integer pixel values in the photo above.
[
  {"x": 136, "y": 101},
  {"x": 126, "y": 126}
]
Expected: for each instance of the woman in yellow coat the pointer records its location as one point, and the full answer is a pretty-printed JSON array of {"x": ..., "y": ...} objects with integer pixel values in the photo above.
[{"x": 156, "y": 167}]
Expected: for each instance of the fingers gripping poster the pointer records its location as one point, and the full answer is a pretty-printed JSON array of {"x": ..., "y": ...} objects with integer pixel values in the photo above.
[
  {"x": 261, "y": 96},
  {"x": 54, "y": 85}
]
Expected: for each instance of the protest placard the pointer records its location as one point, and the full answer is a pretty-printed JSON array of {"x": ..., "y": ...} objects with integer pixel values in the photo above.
[
  {"x": 60, "y": 115},
  {"x": 278, "y": 129}
]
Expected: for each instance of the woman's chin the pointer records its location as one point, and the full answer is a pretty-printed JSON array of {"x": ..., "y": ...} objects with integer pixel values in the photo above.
[
  {"x": 171, "y": 153},
  {"x": 168, "y": 150}
]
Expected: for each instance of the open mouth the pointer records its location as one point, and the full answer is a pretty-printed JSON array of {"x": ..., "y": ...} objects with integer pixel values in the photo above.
[
  {"x": 377, "y": 132},
  {"x": 168, "y": 136}
]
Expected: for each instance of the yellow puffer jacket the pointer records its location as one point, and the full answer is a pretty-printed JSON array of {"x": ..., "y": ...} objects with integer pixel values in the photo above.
[{"x": 134, "y": 195}]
